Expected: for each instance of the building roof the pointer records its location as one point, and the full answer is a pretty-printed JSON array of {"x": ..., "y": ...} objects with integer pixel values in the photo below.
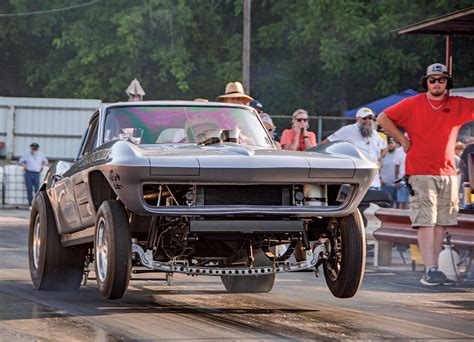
[{"x": 456, "y": 23}]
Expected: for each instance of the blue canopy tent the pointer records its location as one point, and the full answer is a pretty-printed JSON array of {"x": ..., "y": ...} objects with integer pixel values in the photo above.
[{"x": 379, "y": 105}]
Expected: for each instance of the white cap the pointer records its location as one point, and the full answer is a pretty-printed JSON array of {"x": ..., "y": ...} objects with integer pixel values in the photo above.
[
  {"x": 364, "y": 111},
  {"x": 437, "y": 69}
]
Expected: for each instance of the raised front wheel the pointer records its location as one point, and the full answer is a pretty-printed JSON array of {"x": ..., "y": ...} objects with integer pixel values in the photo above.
[{"x": 344, "y": 270}]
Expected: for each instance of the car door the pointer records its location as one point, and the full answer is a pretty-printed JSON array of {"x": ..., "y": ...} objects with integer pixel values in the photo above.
[
  {"x": 80, "y": 180},
  {"x": 74, "y": 211}
]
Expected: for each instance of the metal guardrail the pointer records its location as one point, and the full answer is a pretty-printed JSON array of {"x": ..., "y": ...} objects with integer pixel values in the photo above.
[{"x": 396, "y": 227}]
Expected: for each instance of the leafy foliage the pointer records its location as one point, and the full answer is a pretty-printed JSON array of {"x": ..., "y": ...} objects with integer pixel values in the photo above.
[{"x": 322, "y": 55}]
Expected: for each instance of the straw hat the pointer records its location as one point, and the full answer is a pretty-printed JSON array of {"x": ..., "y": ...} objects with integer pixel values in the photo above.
[{"x": 235, "y": 89}]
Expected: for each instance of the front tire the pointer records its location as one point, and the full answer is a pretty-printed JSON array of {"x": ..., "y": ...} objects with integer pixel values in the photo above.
[
  {"x": 112, "y": 250},
  {"x": 52, "y": 266},
  {"x": 344, "y": 271},
  {"x": 252, "y": 283}
]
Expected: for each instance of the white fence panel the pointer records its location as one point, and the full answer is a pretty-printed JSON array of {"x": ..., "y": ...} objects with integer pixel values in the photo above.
[{"x": 14, "y": 185}]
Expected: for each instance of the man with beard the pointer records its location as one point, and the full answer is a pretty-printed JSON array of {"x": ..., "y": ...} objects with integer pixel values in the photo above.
[
  {"x": 432, "y": 121},
  {"x": 364, "y": 137}
]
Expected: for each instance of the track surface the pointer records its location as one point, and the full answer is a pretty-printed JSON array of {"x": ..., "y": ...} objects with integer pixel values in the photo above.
[{"x": 390, "y": 305}]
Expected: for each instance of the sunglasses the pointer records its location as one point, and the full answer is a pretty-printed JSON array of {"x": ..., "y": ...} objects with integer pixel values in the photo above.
[
  {"x": 300, "y": 120},
  {"x": 440, "y": 80},
  {"x": 368, "y": 118}
]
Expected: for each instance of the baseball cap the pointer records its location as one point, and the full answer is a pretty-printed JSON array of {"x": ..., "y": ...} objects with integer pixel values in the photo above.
[
  {"x": 267, "y": 119},
  {"x": 364, "y": 111},
  {"x": 256, "y": 104},
  {"x": 34, "y": 145},
  {"x": 437, "y": 69}
]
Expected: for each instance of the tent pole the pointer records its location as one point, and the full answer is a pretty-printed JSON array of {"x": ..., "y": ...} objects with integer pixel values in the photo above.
[{"x": 449, "y": 57}]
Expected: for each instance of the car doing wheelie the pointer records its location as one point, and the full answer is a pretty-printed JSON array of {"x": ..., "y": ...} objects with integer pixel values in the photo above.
[{"x": 200, "y": 189}]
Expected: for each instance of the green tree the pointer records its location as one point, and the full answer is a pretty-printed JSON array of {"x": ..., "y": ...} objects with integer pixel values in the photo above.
[
  {"x": 342, "y": 53},
  {"x": 321, "y": 55}
]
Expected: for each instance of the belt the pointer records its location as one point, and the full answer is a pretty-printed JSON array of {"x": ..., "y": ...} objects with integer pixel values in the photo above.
[{"x": 33, "y": 171}]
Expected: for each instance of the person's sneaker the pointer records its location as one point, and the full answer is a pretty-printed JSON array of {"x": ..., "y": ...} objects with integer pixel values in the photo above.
[
  {"x": 431, "y": 278},
  {"x": 435, "y": 278},
  {"x": 445, "y": 280}
]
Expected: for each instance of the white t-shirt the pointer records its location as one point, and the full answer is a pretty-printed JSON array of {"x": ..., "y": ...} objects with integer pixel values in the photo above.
[
  {"x": 399, "y": 160},
  {"x": 387, "y": 168},
  {"x": 371, "y": 146}
]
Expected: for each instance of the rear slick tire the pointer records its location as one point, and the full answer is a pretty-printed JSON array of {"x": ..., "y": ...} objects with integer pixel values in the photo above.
[
  {"x": 112, "y": 250},
  {"x": 252, "y": 283},
  {"x": 345, "y": 269},
  {"x": 52, "y": 266}
]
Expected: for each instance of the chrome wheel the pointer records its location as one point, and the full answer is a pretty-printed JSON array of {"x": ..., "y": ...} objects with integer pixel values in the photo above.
[
  {"x": 112, "y": 249},
  {"x": 36, "y": 241},
  {"x": 101, "y": 250}
]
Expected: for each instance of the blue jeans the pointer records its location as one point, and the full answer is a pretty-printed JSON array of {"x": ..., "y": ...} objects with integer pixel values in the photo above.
[
  {"x": 392, "y": 191},
  {"x": 32, "y": 180},
  {"x": 402, "y": 194}
]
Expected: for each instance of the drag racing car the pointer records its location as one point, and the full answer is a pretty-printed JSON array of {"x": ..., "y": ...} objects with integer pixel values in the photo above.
[{"x": 201, "y": 189}]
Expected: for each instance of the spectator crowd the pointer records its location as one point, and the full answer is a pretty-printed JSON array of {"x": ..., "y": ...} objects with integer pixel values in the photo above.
[{"x": 366, "y": 134}]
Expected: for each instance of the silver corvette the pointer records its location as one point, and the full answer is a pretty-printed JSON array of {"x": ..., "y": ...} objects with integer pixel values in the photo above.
[{"x": 197, "y": 188}]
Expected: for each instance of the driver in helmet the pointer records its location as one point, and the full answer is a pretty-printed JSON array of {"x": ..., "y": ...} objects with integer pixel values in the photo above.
[
  {"x": 204, "y": 130},
  {"x": 201, "y": 129}
]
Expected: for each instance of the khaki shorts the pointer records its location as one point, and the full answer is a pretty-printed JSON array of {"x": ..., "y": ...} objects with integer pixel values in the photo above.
[{"x": 436, "y": 201}]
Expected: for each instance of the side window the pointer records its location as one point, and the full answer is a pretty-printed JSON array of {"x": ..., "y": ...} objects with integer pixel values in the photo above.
[{"x": 91, "y": 139}]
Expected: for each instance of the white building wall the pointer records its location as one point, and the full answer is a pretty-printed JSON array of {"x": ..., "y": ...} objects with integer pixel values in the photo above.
[{"x": 56, "y": 125}]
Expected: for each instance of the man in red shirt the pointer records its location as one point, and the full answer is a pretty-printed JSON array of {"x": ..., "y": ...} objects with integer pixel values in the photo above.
[{"x": 432, "y": 121}]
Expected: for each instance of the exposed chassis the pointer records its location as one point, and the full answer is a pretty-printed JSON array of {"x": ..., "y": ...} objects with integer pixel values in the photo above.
[{"x": 313, "y": 260}]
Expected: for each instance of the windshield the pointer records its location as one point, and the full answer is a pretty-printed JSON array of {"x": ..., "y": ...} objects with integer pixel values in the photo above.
[{"x": 187, "y": 124}]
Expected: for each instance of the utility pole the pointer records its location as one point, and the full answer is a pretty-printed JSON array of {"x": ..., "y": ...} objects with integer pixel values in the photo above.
[{"x": 246, "y": 47}]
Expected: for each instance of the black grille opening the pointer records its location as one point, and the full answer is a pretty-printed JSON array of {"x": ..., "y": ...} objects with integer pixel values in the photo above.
[{"x": 247, "y": 195}]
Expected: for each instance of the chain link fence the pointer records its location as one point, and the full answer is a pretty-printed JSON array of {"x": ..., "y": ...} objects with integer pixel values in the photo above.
[{"x": 321, "y": 125}]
